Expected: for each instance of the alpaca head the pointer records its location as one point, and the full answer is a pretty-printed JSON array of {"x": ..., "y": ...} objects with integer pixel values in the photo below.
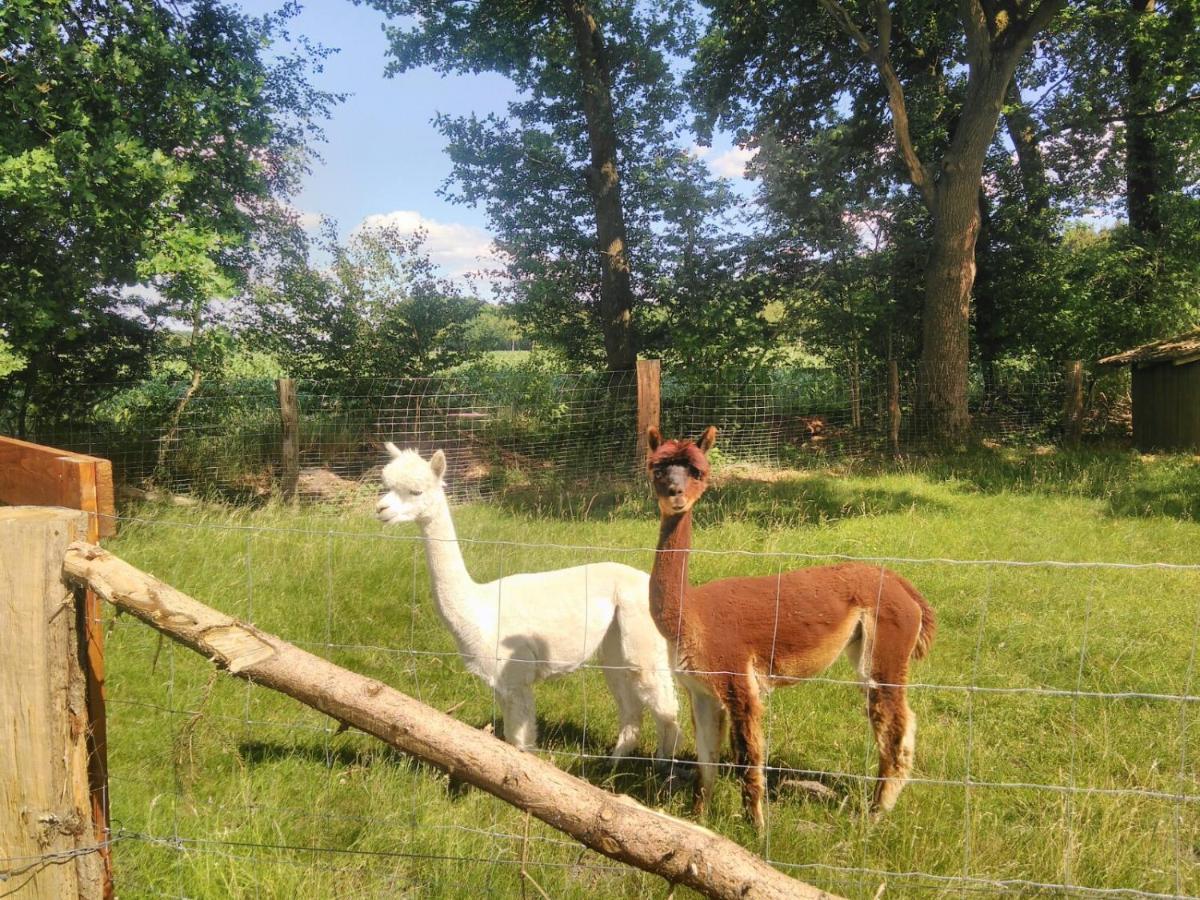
[
  {"x": 414, "y": 486},
  {"x": 678, "y": 469}
]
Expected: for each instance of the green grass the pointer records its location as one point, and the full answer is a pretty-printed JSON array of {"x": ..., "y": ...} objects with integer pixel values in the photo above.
[{"x": 247, "y": 778}]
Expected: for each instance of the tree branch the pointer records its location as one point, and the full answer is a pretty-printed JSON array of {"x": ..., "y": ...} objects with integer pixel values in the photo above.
[
  {"x": 918, "y": 173},
  {"x": 1152, "y": 113},
  {"x": 1020, "y": 35},
  {"x": 975, "y": 23}
]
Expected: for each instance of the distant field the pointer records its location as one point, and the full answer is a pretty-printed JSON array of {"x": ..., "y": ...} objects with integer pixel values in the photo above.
[{"x": 1030, "y": 771}]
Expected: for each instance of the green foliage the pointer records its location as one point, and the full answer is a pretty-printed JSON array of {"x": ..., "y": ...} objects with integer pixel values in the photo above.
[
  {"x": 493, "y": 329},
  {"x": 379, "y": 310},
  {"x": 143, "y": 144}
]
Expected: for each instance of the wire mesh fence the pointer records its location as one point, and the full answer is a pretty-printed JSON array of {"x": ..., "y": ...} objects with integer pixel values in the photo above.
[
  {"x": 1054, "y": 753},
  {"x": 504, "y": 427}
]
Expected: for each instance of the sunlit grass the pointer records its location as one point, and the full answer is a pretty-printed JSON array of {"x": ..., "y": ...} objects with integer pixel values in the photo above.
[{"x": 235, "y": 784}]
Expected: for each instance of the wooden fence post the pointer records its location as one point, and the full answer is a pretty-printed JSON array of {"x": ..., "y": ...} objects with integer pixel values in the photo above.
[
  {"x": 31, "y": 474},
  {"x": 893, "y": 391},
  {"x": 48, "y": 837},
  {"x": 289, "y": 414},
  {"x": 1073, "y": 402},
  {"x": 649, "y": 396}
]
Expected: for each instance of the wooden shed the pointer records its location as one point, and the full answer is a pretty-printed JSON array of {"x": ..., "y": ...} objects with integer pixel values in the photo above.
[{"x": 1166, "y": 392}]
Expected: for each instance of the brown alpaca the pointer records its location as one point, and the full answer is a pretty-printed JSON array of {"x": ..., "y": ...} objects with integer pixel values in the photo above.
[{"x": 733, "y": 640}]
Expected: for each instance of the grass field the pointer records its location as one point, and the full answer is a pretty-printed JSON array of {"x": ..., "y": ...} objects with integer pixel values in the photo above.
[{"x": 1037, "y": 775}]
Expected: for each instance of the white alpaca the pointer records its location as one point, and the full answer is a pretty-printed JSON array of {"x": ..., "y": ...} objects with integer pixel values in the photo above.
[{"x": 525, "y": 628}]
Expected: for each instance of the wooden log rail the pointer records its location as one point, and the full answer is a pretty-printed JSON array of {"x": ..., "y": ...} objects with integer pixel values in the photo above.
[{"x": 616, "y": 826}]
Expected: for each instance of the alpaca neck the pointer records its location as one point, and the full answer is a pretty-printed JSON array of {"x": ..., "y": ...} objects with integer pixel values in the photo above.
[
  {"x": 452, "y": 584},
  {"x": 669, "y": 577}
]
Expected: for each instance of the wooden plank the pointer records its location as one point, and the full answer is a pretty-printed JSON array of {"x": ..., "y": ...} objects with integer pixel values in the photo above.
[
  {"x": 1190, "y": 407},
  {"x": 45, "y": 806},
  {"x": 649, "y": 397},
  {"x": 33, "y": 475},
  {"x": 1141, "y": 408},
  {"x": 1073, "y": 402}
]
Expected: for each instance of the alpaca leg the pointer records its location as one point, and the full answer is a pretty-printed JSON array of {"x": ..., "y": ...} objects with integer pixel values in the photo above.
[
  {"x": 895, "y": 735},
  {"x": 706, "y": 716},
  {"x": 644, "y": 652},
  {"x": 519, "y": 715},
  {"x": 886, "y": 651},
  {"x": 629, "y": 707},
  {"x": 745, "y": 713},
  {"x": 655, "y": 686}
]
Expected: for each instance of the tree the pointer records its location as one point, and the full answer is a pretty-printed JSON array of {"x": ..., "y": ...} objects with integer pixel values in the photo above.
[
  {"x": 378, "y": 310},
  {"x": 143, "y": 144},
  {"x": 573, "y": 178},
  {"x": 782, "y": 67},
  {"x": 1119, "y": 115}
]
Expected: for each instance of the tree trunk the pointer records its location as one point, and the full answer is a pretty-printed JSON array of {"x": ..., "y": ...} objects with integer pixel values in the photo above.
[
  {"x": 949, "y": 277},
  {"x": 168, "y": 438},
  {"x": 1143, "y": 187},
  {"x": 950, "y": 270},
  {"x": 1022, "y": 131},
  {"x": 603, "y": 176}
]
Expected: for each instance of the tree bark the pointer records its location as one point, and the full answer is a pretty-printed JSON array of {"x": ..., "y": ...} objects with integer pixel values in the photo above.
[
  {"x": 604, "y": 183},
  {"x": 1143, "y": 187},
  {"x": 616, "y": 826},
  {"x": 949, "y": 276}
]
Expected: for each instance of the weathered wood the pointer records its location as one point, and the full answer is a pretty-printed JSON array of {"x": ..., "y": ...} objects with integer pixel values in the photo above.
[
  {"x": 616, "y": 826},
  {"x": 289, "y": 414},
  {"x": 47, "y": 838},
  {"x": 893, "y": 390},
  {"x": 33, "y": 475},
  {"x": 1073, "y": 402},
  {"x": 649, "y": 397}
]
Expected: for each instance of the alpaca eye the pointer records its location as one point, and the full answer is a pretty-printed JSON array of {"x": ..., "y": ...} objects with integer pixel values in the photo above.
[
  {"x": 694, "y": 472},
  {"x": 416, "y": 493}
]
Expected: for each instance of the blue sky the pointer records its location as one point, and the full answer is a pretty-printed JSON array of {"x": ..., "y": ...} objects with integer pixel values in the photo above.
[{"x": 383, "y": 158}]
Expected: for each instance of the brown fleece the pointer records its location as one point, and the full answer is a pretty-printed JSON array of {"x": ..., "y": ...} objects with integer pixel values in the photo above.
[{"x": 738, "y": 637}]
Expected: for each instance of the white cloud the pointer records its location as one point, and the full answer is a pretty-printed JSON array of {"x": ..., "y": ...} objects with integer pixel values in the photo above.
[
  {"x": 455, "y": 247},
  {"x": 731, "y": 163},
  {"x": 309, "y": 220}
]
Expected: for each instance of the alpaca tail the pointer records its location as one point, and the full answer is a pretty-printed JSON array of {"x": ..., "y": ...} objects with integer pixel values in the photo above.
[{"x": 928, "y": 619}]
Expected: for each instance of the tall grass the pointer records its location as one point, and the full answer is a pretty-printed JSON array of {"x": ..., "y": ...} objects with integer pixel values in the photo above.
[{"x": 1025, "y": 775}]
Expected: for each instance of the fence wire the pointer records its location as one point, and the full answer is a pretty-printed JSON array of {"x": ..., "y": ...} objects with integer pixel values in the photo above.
[
  {"x": 504, "y": 428},
  {"x": 1056, "y": 713}
]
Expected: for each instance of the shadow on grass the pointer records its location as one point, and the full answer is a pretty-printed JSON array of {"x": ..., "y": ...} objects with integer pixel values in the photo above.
[
  {"x": 1127, "y": 483},
  {"x": 656, "y": 783},
  {"x": 790, "y": 501}
]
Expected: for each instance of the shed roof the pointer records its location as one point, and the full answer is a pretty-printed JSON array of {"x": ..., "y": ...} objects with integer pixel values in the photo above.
[{"x": 1183, "y": 348}]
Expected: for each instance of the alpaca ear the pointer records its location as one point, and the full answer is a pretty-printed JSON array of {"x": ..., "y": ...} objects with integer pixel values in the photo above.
[
  {"x": 708, "y": 440},
  {"x": 653, "y": 438},
  {"x": 437, "y": 463},
  {"x": 392, "y": 448}
]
